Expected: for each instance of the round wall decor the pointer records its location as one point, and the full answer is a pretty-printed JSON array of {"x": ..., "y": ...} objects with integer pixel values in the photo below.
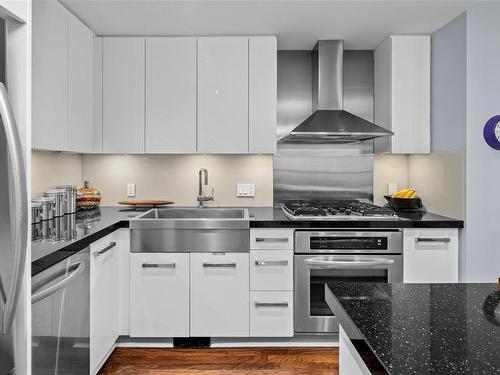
[{"x": 491, "y": 132}]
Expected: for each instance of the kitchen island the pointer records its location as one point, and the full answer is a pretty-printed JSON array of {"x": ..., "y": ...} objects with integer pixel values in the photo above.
[{"x": 417, "y": 328}]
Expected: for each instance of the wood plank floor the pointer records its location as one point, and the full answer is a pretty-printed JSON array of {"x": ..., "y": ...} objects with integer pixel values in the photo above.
[{"x": 261, "y": 361}]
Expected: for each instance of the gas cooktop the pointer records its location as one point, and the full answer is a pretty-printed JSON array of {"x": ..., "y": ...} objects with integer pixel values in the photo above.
[{"x": 336, "y": 210}]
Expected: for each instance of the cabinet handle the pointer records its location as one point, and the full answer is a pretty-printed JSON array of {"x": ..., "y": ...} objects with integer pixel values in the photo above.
[
  {"x": 158, "y": 265},
  {"x": 430, "y": 239},
  {"x": 271, "y": 239},
  {"x": 283, "y": 262},
  {"x": 219, "y": 265},
  {"x": 106, "y": 249},
  {"x": 271, "y": 304}
]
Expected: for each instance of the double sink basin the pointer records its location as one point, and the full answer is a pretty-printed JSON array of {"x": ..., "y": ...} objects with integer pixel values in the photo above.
[{"x": 191, "y": 230}]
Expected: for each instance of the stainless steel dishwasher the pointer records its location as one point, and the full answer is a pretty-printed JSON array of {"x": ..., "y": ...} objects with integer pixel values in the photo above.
[{"x": 61, "y": 317}]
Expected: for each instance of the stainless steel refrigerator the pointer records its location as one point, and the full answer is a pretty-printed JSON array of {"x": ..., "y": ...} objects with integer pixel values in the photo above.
[{"x": 13, "y": 219}]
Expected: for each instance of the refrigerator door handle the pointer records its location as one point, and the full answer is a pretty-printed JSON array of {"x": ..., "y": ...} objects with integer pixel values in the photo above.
[{"x": 19, "y": 233}]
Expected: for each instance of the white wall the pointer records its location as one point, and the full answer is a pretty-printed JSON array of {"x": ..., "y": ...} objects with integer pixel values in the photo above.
[
  {"x": 481, "y": 258},
  {"x": 448, "y": 86}
]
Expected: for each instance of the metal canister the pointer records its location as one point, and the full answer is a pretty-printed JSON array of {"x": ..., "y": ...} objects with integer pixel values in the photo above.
[
  {"x": 70, "y": 197},
  {"x": 36, "y": 231},
  {"x": 48, "y": 207},
  {"x": 36, "y": 212},
  {"x": 60, "y": 198}
]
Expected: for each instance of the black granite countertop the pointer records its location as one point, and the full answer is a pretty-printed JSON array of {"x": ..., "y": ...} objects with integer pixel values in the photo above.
[
  {"x": 90, "y": 226},
  {"x": 422, "y": 328}
]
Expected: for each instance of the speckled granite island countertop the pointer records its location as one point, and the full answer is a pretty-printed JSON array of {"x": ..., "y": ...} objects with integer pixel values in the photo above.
[{"x": 421, "y": 328}]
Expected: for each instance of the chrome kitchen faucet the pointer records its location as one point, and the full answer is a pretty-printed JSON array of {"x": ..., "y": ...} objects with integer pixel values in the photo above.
[{"x": 203, "y": 198}]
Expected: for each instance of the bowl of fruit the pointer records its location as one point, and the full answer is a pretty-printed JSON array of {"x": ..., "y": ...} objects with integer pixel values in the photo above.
[{"x": 405, "y": 199}]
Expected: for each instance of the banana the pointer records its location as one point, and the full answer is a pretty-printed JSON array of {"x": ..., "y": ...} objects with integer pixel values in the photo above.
[{"x": 406, "y": 194}]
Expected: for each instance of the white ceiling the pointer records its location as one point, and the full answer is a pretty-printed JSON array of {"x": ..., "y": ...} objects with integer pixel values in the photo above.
[{"x": 297, "y": 24}]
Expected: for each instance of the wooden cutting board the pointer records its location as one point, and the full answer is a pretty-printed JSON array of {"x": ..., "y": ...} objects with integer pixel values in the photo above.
[{"x": 145, "y": 202}]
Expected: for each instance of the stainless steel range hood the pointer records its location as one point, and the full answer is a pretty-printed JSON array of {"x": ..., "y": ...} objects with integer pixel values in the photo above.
[{"x": 330, "y": 123}]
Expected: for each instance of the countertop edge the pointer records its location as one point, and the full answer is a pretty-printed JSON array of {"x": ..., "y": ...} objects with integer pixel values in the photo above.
[{"x": 365, "y": 351}]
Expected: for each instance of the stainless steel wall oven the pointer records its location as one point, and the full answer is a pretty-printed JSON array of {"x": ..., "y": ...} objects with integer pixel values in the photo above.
[{"x": 340, "y": 255}]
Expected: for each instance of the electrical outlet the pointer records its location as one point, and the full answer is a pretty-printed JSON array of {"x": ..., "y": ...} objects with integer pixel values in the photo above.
[
  {"x": 130, "y": 189},
  {"x": 392, "y": 189},
  {"x": 245, "y": 190}
]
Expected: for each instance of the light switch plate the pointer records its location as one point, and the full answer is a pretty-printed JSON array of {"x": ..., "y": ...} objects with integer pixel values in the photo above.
[
  {"x": 245, "y": 190},
  {"x": 130, "y": 189},
  {"x": 392, "y": 189}
]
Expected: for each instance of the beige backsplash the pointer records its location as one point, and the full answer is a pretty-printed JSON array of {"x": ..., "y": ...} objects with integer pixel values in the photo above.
[
  {"x": 49, "y": 169},
  {"x": 438, "y": 178},
  {"x": 175, "y": 177}
]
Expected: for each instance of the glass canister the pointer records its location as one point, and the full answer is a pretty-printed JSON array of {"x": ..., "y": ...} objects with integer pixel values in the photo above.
[
  {"x": 87, "y": 197},
  {"x": 70, "y": 197},
  {"x": 60, "y": 198}
]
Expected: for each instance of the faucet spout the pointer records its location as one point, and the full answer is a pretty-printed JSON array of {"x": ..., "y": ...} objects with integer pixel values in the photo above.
[{"x": 203, "y": 180}]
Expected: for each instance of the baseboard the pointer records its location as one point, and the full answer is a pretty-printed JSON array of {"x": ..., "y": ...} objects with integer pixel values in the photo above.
[{"x": 220, "y": 342}]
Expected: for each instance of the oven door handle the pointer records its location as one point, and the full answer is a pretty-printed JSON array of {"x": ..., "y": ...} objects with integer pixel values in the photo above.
[{"x": 348, "y": 264}]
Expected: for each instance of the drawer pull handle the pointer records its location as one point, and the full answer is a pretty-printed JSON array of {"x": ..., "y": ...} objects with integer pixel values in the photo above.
[
  {"x": 271, "y": 304},
  {"x": 271, "y": 262},
  {"x": 271, "y": 239},
  {"x": 158, "y": 265},
  {"x": 430, "y": 239},
  {"x": 106, "y": 249},
  {"x": 219, "y": 265}
]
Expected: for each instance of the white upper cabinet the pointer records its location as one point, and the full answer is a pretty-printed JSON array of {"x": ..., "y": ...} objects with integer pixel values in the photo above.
[
  {"x": 62, "y": 117},
  {"x": 223, "y": 95},
  {"x": 80, "y": 53},
  {"x": 402, "y": 93},
  {"x": 262, "y": 94},
  {"x": 123, "y": 95},
  {"x": 170, "y": 95},
  {"x": 49, "y": 76}
]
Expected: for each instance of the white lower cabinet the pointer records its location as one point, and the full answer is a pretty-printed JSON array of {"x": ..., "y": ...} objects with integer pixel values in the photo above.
[
  {"x": 350, "y": 362},
  {"x": 430, "y": 255},
  {"x": 219, "y": 295},
  {"x": 104, "y": 298},
  {"x": 271, "y": 314},
  {"x": 159, "y": 295}
]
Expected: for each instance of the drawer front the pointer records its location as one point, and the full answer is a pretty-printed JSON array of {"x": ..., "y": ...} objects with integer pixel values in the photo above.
[
  {"x": 159, "y": 295},
  {"x": 271, "y": 270},
  {"x": 271, "y": 314},
  {"x": 271, "y": 239},
  {"x": 219, "y": 295},
  {"x": 430, "y": 256}
]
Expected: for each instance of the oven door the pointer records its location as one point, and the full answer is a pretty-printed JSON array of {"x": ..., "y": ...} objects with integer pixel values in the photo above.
[{"x": 312, "y": 272}]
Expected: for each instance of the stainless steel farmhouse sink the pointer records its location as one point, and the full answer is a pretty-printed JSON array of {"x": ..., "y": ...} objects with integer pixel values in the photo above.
[
  {"x": 191, "y": 230},
  {"x": 196, "y": 213}
]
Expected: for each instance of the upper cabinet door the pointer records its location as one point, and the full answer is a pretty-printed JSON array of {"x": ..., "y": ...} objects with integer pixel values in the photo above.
[
  {"x": 123, "y": 95},
  {"x": 402, "y": 93},
  {"x": 262, "y": 94},
  {"x": 50, "y": 80},
  {"x": 80, "y": 82},
  {"x": 223, "y": 95},
  {"x": 171, "y": 95}
]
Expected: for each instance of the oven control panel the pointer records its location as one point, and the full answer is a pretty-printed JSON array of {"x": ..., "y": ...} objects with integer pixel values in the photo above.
[{"x": 348, "y": 243}]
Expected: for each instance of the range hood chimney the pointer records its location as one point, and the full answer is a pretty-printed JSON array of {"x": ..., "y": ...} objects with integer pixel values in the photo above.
[{"x": 329, "y": 123}]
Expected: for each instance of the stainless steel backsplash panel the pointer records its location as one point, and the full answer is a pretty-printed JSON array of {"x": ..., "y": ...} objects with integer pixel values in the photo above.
[
  {"x": 320, "y": 171},
  {"x": 304, "y": 171}
]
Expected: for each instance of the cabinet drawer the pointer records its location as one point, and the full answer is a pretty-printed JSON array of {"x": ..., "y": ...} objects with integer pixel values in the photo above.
[
  {"x": 104, "y": 245},
  {"x": 271, "y": 239},
  {"x": 271, "y": 314},
  {"x": 159, "y": 295},
  {"x": 271, "y": 270},
  {"x": 430, "y": 255}
]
